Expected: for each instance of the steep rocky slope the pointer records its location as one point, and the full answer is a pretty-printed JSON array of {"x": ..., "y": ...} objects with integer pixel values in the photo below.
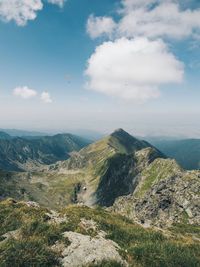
[
  {"x": 165, "y": 195},
  {"x": 19, "y": 154}
]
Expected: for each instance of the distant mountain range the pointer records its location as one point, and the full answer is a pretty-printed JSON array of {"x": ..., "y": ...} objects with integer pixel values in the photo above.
[
  {"x": 186, "y": 152},
  {"x": 22, "y": 133},
  {"x": 87, "y": 134},
  {"x": 29, "y": 153}
]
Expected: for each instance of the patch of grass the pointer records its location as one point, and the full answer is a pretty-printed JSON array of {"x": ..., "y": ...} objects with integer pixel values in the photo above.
[
  {"x": 48, "y": 233},
  {"x": 13, "y": 215},
  {"x": 35, "y": 236},
  {"x": 166, "y": 254},
  {"x": 186, "y": 229},
  {"x": 21, "y": 253}
]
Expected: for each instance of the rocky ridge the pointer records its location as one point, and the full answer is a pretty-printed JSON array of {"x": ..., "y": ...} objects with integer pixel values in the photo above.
[{"x": 165, "y": 195}]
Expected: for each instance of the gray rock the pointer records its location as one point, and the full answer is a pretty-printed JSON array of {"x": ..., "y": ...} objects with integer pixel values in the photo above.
[{"x": 85, "y": 250}]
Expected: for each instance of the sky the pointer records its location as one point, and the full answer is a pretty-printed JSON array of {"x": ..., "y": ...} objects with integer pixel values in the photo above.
[{"x": 101, "y": 65}]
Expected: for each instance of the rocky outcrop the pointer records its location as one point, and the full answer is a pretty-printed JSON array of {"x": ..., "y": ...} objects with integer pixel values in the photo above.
[
  {"x": 87, "y": 250},
  {"x": 164, "y": 196}
]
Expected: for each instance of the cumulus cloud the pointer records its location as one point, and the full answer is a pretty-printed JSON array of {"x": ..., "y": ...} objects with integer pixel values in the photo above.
[
  {"x": 46, "y": 98},
  {"x": 133, "y": 68},
  {"x": 24, "y": 92},
  {"x": 98, "y": 26},
  {"x": 21, "y": 11},
  {"x": 152, "y": 18}
]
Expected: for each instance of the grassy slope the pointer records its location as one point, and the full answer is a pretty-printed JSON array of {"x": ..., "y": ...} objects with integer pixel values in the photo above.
[{"x": 31, "y": 244}]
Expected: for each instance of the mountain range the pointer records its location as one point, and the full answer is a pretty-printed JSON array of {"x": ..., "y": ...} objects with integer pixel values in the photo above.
[
  {"x": 28, "y": 153},
  {"x": 186, "y": 151},
  {"x": 119, "y": 193}
]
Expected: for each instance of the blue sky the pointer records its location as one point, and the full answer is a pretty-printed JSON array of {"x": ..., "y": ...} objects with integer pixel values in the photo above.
[{"x": 78, "y": 64}]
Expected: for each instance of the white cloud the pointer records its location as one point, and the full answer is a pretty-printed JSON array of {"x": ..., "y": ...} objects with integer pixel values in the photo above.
[
  {"x": 24, "y": 92},
  {"x": 21, "y": 11},
  {"x": 98, "y": 26},
  {"x": 46, "y": 98},
  {"x": 57, "y": 2},
  {"x": 133, "y": 68},
  {"x": 149, "y": 18},
  {"x": 164, "y": 19}
]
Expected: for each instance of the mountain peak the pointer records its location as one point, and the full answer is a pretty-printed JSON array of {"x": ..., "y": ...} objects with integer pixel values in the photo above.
[
  {"x": 119, "y": 130},
  {"x": 126, "y": 143},
  {"x": 121, "y": 133}
]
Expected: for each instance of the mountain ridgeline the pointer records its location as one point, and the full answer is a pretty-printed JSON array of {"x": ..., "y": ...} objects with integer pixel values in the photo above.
[{"x": 21, "y": 153}]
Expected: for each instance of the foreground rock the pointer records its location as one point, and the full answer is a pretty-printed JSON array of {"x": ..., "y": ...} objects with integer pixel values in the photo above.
[{"x": 87, "y": 250}]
